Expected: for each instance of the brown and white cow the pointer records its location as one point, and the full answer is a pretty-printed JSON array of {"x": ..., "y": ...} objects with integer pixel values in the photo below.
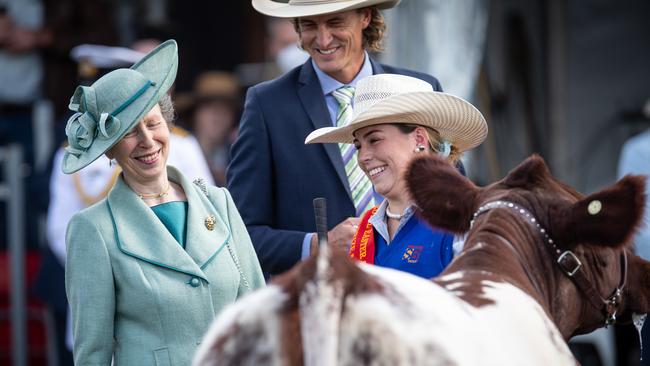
[{"x": 503, "y": 301}]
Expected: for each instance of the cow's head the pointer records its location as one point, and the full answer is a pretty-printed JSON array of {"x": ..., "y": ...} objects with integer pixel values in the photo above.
[{"x": 597, "y": 228}]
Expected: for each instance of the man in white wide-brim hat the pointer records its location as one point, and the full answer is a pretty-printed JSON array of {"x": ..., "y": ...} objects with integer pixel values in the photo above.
[{"x": 273, "y": 176}]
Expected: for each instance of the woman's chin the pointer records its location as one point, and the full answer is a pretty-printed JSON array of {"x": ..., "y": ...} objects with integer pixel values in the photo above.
[
  {"x": 146, "y": 173},
  {"x": 380, "y": 190}
]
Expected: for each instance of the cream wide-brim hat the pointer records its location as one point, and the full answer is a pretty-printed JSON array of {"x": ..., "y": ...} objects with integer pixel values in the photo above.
[
  {"x": 390, "y": 98},
  {"x": 305, "y": 8}
]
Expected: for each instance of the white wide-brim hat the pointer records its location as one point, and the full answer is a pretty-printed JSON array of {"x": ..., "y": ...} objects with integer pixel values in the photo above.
[
  {"x": 305, "y": 8},
  {"x": 390, "y": 98}
]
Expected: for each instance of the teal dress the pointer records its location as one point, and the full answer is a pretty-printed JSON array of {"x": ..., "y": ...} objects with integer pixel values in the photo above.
[{"x": 174, "y": 216}]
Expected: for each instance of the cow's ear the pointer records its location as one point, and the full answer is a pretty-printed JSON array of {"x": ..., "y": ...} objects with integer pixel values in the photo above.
[
  {"x": 527, "y": 173},
  {"x": 608, "y": 218},
  {"x": 446, "y": 199}
]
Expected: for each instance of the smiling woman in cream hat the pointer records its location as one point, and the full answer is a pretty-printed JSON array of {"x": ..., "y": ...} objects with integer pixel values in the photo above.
[
  {"x": 149, "y": 266},
  {"x": 395, "y": 118}
]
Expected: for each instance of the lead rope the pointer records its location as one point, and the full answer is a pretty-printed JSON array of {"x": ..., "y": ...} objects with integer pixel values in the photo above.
[{"x": 201, "y": 184}]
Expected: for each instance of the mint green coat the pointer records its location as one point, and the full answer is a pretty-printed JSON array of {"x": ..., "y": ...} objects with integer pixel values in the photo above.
[{"x": 136, "y": 295}]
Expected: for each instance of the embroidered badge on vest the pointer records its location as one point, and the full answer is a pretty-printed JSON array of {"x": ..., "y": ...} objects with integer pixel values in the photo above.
[{"x": 412, "y": 253}]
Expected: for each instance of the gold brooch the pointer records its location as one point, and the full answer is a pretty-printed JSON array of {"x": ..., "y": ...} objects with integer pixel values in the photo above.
[{"x": 209, "y": 222}]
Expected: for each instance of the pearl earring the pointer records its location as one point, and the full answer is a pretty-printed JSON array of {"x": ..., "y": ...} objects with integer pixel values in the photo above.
[{"x": 419, "y": 148}]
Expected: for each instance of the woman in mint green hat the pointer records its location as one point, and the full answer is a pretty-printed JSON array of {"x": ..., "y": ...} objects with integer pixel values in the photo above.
[{"x": 151, "y": 265}]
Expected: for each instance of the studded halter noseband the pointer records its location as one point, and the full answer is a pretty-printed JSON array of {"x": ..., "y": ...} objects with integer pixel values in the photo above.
[{"x": 569, "y": 262}]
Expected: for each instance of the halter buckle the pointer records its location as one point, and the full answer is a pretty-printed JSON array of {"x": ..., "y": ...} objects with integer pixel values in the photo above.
[{"x": 569, "y": 263}]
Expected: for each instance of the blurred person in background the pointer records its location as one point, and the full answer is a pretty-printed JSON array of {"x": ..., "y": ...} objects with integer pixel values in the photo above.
[
  {"x": 150, "y": 266},
  {"x": 22, "y": 35},
  {"x": 282, "y": 45},
  {"x": 273, "y": 175},
  {"x": 282, "y": 53},
  {"x": 145, "y": 45},
  {"x": 22, "y": 38},
  {"x": 36, "y": 80},
  {"x": 211, "y": 112},
  {"x": 73, "y": 23}
]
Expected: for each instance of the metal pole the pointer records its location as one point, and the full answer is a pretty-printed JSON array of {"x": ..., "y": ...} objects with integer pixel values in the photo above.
[{"x": 13, "y": 175}]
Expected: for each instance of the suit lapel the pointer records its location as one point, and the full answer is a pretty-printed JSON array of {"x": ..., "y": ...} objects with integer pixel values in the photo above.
[
  {"x": 376, "y": 68},
  {"x": 313, "y": 101},
  {"x": 140, "y": 234}
]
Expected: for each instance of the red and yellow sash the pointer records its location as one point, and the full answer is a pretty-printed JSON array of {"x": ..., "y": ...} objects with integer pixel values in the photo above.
[{"x": 363, "y": 242}]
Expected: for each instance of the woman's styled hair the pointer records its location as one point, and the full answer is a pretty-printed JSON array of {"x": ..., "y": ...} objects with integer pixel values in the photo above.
[
  {"x": 167, "y": 109},
  {"x": 372, "y": 35},
  {"x": 435, "y": 141}
]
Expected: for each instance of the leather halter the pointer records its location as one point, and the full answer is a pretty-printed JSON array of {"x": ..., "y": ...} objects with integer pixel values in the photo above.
[{"x": 569, "y": 263}]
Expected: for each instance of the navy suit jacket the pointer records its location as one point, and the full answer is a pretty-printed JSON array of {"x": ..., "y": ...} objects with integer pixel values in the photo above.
[{"x": 273, "y": 176}]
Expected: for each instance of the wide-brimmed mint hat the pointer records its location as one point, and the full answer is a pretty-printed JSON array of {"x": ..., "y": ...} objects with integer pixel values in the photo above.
[{"x": 112, "y": 105}]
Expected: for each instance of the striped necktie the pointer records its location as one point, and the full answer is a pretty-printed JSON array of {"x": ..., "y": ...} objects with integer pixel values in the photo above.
[{"x": 360, "y": 185}]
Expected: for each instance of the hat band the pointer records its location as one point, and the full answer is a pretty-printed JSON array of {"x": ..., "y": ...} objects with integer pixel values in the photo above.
[
  {"x": 315, "y": 2},
  {"x": 135, "y": 96}
]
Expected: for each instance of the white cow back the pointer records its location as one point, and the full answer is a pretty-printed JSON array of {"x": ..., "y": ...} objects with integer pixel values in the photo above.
[{"x": 412, "y": 321}]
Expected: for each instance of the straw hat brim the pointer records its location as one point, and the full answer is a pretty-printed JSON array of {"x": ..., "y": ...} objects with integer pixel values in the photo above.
[
  {"x": 287, "y": 10},
  {"x": 159, "y": 66},
  {"x": 455, "y": 119}
]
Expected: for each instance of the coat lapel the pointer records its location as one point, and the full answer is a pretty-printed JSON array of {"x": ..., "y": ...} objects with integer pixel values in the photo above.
[
  {"x": 140, "y": 234},
  {"x": 202, "y": 244},
  {"x": 313, "y": 101}
]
